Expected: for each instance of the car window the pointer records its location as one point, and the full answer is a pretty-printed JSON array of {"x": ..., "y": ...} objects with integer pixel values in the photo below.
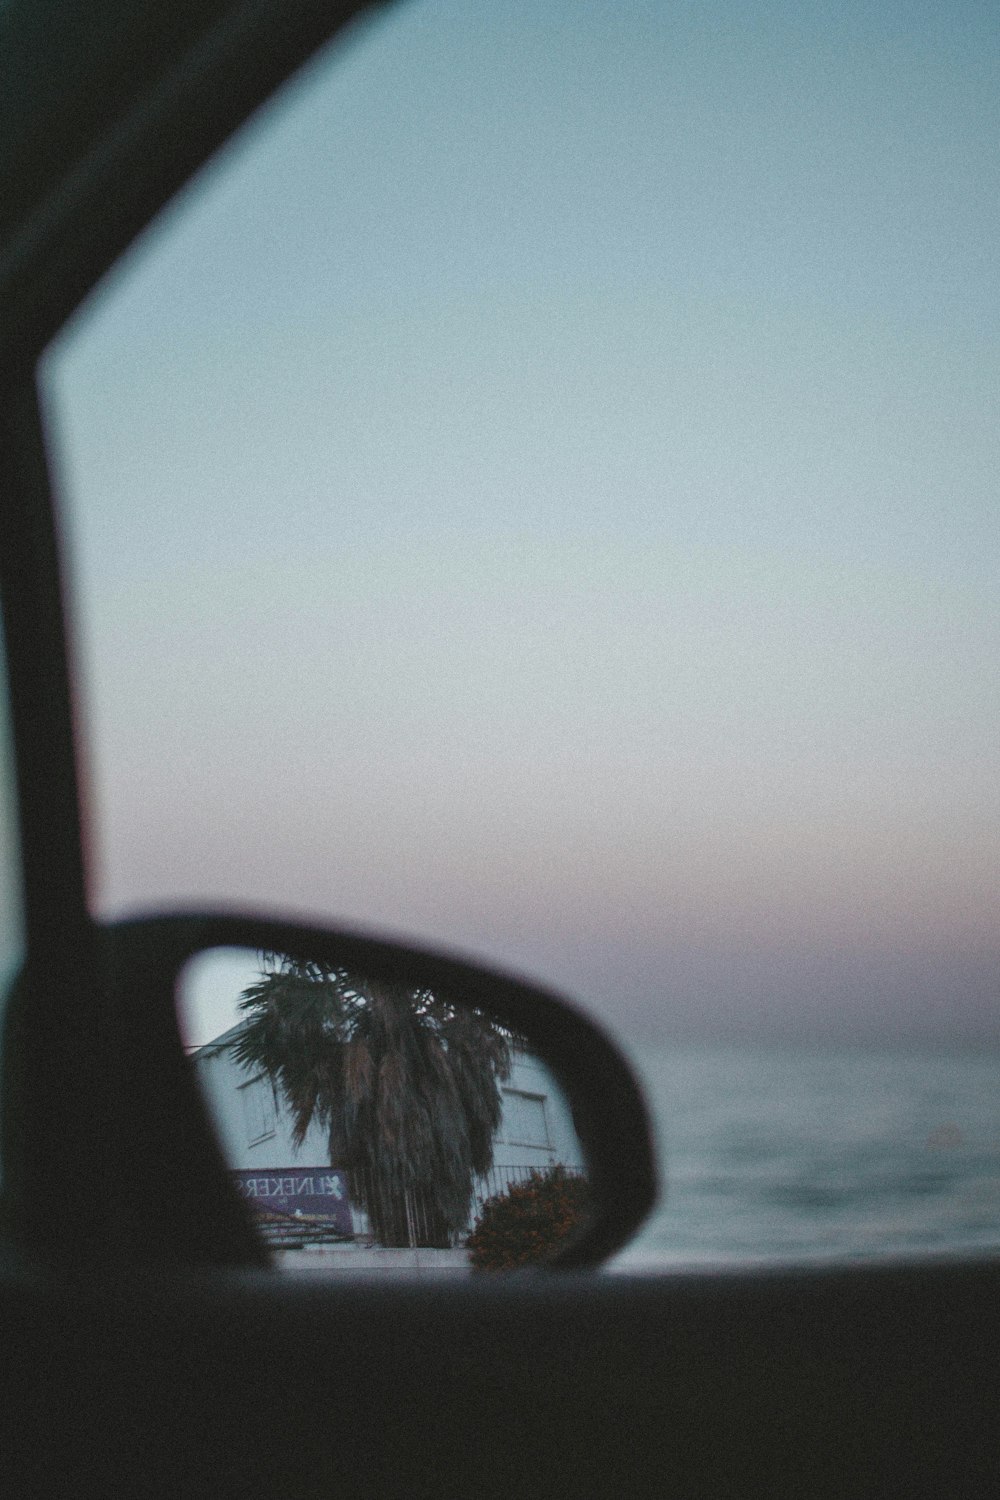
[{"x": 535, "y": 493}]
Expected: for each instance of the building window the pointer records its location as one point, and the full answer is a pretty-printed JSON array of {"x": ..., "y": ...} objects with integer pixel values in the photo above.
[
  {"x": 524, "y": 1121},
  {"x": 259, "y": 1112}
]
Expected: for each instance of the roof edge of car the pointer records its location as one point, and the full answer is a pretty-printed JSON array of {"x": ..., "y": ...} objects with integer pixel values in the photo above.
[{"x": 132, "y": 114}]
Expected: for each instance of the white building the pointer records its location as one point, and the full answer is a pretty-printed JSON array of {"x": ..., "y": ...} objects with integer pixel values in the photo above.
[{"x": 302, "y": 1200}]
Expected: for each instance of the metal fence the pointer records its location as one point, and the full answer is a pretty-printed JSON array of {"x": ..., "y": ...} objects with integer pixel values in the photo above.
[
  {"x": 295, "y": 1232},
  {"x": 499, "y": 1179}
]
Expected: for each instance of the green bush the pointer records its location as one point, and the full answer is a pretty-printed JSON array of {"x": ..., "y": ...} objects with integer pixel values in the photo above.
[{"x": 525, "y": 1225}]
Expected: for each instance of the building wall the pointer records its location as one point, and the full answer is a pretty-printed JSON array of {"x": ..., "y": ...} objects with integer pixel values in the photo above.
[
  {"x": 536, "y": 1128},
  {"x": 254, "y": 1129}
]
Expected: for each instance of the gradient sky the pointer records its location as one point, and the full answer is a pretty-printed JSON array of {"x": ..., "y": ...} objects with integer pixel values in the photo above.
[{"x": 537, "y": 493}]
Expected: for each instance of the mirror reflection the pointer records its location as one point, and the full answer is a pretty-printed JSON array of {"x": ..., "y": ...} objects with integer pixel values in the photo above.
[{"x": 375, "y": 1125}]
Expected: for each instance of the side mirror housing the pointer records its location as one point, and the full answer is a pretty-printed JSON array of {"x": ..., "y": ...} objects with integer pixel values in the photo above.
[{"x": 156, "y": 968}]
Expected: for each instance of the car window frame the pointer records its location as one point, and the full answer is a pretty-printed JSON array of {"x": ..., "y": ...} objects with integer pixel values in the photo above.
[{"x": 100, "y": 130}]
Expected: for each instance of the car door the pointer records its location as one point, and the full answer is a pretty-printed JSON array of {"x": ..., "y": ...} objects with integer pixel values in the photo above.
[{"x": 135, "y": 1362}]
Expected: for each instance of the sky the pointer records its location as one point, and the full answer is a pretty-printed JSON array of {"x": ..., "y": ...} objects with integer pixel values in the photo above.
[
  {"x": 536, "y": 494},
  {"x": 209, "y": 991}
]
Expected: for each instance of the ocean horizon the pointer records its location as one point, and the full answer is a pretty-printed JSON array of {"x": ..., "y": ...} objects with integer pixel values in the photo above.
[{"x": 785, "y": 1155}]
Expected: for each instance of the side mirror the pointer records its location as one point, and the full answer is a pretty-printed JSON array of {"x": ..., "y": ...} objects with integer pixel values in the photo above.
[{"x": 377, "y": 1104}]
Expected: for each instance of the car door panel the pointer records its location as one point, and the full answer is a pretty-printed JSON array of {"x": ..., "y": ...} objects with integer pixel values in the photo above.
[{"x": 847, "y": 1382}]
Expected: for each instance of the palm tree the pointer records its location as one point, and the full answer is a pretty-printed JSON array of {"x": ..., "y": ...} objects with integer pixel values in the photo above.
[{"x": 405, "y": 1083}]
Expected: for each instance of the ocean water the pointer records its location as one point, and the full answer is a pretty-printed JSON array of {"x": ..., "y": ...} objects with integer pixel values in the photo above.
[{"x": 783, "y": 1155}]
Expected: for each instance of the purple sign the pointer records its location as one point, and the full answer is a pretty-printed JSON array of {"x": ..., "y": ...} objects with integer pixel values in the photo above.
[{"x": 308, "y": 1195}]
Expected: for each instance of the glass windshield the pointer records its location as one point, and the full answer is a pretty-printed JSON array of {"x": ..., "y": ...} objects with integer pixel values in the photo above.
[{"x": 537, "y": 494}]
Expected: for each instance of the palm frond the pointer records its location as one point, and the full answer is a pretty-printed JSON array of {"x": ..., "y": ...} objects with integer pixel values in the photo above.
[{"x": 405, "y": 1082}]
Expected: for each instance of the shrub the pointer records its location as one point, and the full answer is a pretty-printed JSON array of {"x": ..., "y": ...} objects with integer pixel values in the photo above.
[{"x": 525, "y": 1225}]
